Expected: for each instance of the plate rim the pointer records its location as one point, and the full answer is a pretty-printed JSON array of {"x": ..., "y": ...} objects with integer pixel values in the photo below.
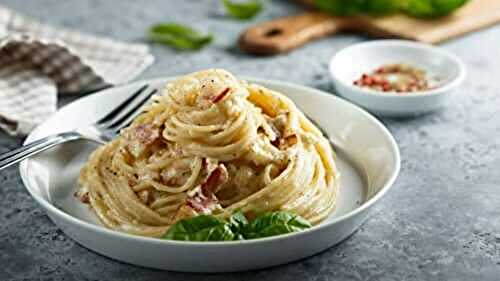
[{"x": 101, "y": 230}]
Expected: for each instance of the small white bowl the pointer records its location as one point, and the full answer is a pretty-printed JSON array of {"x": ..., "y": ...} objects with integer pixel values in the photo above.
[{"x": 350, "y": 63}]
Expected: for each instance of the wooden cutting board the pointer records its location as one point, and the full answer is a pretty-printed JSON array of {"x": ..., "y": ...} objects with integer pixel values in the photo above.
[{"x": 287, "y": 33}]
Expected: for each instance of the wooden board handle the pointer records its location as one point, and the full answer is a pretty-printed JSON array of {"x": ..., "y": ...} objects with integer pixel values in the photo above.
[{"x": 284, "y": 34}]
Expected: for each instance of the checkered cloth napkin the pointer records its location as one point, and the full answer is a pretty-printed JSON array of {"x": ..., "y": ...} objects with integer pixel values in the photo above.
[{"x": 37, "y": 61}]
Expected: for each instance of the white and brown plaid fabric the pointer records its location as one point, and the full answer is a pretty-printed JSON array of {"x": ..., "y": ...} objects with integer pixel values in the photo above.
[{"x": 37, "y": 61}]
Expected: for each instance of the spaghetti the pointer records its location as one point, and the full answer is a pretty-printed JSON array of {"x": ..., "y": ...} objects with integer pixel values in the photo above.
[{"x": 210, "y": 144}]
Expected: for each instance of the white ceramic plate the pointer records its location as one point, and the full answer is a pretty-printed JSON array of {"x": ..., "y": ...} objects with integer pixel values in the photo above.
[
  {"x": 368, "y": 161},
  {"x": 350, "y": 63}
]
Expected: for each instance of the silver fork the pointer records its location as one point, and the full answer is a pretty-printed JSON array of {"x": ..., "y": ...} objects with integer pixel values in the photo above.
[{"x": 101, "y": 131}]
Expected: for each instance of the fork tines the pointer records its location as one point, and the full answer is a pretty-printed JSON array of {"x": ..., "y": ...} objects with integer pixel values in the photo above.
[{"x": 123, "y": 114}]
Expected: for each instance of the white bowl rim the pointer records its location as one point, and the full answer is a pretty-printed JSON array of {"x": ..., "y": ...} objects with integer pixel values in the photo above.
[
  {"x": 109, "y": 232},
  {"x": 456, "y": 61}
]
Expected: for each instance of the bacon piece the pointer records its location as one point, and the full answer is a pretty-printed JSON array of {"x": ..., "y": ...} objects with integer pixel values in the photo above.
[
  {"x": 276, "y": 142},
  {"x": 140, "y": 137},
  {"x": 278, "y": 125},
  {"x": 147, "y": 134},
  {"x": 84, "y": 197},
  {"x": 221, "y": 95},
  {"x": 285, "y": 142},
  {"x": 216, "y": 178},
  {"x": 204, "y": 199},
  {"x": 201, "y": 204},
  {"x": 291, "y": 140}
]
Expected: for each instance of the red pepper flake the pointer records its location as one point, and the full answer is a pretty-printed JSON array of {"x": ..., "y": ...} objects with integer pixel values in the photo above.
[{"x": 221, "y": 95}]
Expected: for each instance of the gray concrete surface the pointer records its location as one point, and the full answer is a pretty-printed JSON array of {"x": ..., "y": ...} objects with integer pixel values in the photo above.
[{"x": 439, "y": 222}]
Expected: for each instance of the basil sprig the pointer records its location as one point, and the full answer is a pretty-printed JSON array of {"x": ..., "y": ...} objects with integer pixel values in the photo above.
[
  {"x": 200, "y": 228},
  {"x": 181, "y": 37},
  {"x": 210, "y": 228},
  {"x": 243, "y": 10},
  {"x": 416, "y": 8}
]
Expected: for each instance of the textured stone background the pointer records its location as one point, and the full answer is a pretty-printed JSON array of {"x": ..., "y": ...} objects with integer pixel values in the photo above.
[{"x": 439, "y": 222}]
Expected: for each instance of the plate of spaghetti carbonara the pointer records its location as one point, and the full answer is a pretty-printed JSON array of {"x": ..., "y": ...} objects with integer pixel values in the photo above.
[{"x": 214, "y": 165}]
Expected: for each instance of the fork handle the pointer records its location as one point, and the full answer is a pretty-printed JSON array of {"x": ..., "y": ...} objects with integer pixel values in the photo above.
[{"x": 25, "y": 151}]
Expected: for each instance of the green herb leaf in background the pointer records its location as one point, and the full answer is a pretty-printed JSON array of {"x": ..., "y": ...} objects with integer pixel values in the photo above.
[
  {"x": 179, "y": 36},
  {"x": 416, "y": 8},
  {"x": 380, "y": 7},
  {"x": 340, "y": 7},
  {"x": 244, "y": 10},
  {"x": 276, "y": 223},
  {"x": 432, "y": 8},
  {"x": 200, "y": 228}
]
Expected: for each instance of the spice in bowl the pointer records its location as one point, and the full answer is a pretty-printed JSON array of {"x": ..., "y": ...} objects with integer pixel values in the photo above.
[{"x": 400, "y": 78}]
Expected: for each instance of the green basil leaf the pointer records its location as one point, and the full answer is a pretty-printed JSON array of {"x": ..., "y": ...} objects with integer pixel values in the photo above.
[
  {"x": 210, "y": 228},
  {"x": 238, "y": 222},
  {"x": 275, "y": 223},
  {"x": 432, "y": 8},
  {"x": 246, "y": 10},
  {"x": 200, "y": 228},
  {"x": 179, "y": 36}
]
